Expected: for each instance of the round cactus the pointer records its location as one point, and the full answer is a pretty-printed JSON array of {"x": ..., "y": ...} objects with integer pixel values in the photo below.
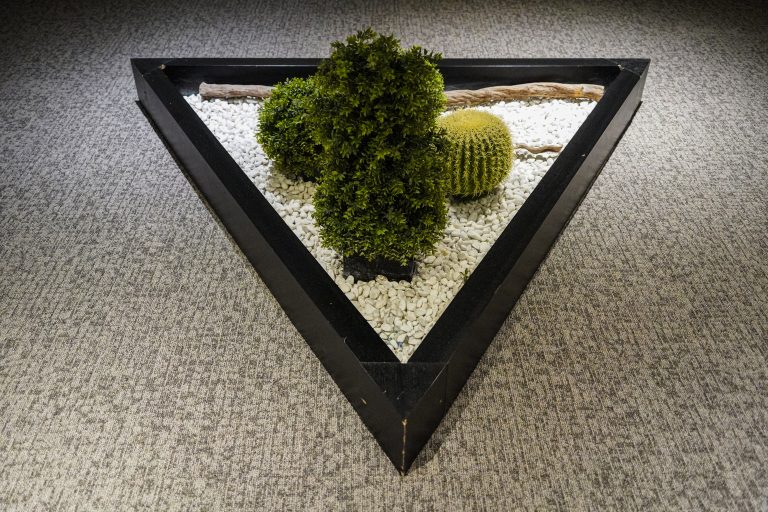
[{"x": 479, "y": 152}]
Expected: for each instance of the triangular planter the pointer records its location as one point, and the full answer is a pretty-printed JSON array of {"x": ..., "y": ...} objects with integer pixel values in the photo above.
[{"x": 401, "y": 403}]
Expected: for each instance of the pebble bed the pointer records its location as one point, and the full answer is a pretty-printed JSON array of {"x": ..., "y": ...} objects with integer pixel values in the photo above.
[{"x": 402, "y": 313}]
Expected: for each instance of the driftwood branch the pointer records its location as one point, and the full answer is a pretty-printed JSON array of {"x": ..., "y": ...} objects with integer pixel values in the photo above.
[
  {"x": 539, "y": 149},
  {"x": 457, "y": 98},
  {"x": 208, "y": 91},
  {"x": 550, "y": 90}
]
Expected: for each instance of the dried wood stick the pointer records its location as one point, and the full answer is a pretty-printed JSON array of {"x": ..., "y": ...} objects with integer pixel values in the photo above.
[
  {"x": 539, "y": 149},
  {"x": 453, "y": 98},
  {"x": 522, "y": 92},
  {"x": 208, "y": 91}
]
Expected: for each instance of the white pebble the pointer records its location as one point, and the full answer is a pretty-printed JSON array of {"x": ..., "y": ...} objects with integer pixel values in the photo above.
[{"x": 410, "y": 309}]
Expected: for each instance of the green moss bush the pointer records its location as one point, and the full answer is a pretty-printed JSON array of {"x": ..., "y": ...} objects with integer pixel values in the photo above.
[
  {"x": 285, "y": 130},
  {"x": 479, "y": 154},
  {"x": 382, "y": 191}
]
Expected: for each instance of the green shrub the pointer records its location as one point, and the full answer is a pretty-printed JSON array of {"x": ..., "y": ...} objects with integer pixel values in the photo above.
[
  {"x": 382, "y": 192},
  {"x": 284, "y": 129},
  {"x": 479, "y": 154}
]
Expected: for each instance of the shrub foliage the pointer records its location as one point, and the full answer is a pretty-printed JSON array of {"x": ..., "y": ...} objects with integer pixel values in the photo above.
[
  {"x": 382, "y": 192},
  {"x": 285, "y": 129},
  {"x": 479, "y": 154}
]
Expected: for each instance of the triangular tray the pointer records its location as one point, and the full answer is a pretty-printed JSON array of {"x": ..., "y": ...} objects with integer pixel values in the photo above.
[{"x": 401, "y": 403}]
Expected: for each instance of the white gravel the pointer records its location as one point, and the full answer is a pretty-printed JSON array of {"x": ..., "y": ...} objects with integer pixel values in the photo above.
[{"x": 401, "y": 312}]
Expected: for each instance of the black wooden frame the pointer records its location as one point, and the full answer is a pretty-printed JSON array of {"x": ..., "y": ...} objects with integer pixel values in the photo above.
[{"x": 401, "y": 404}]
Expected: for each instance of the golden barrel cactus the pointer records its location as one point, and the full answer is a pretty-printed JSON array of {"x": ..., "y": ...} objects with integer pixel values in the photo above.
[{"x": 479, "y": 152}]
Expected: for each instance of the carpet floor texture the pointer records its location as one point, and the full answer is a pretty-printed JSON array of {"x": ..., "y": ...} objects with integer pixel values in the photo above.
[{"x": 145, "y": 366}]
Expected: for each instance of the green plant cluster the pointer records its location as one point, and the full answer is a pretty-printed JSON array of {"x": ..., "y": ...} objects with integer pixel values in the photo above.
[
  {"x": 382, "y": 191},
  {"x": 479, "y": 154},
  {"x": 285, "y": 129}
]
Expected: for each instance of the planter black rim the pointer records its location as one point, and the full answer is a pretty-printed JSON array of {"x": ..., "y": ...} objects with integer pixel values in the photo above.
[{"x": 401, "y": 403}]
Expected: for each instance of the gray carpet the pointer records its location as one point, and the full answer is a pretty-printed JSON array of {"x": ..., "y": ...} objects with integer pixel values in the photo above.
[{"x": 144, "y": 365}]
